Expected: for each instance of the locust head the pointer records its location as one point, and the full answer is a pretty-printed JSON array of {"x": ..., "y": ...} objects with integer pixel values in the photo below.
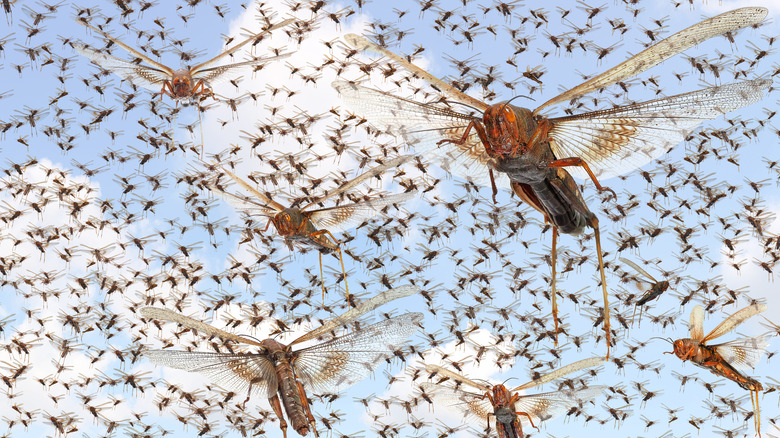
[{"x": 181, "y": 83}]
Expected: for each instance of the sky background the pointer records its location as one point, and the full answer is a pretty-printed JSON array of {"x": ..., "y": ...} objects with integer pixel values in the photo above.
[{"x": 74, "y": 275}]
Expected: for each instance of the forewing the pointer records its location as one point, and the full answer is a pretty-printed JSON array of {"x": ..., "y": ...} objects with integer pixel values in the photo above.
[
  {"x": 734, "y": 320},
  {"x": 615, "y": 141},
  {"x": 475, "y": 409},
  {"x": 169, "y": 315},
  {"x": 743, "y": 353},
  {"x": 265, "y": 201},
  {"x": 562, "y": 371},
  {"x": 235, "y": 371},
  {"x": 202, "y": 66},
  {"x": 639, "y": 269},
  {"x": 652, "y": 56},
  {"x": 354, "y": 182},
  {"x": 423, "y": 126},
  {"x": 455, "y": 377},
  {"x": 229, "y": 72},
  {"x": 362, "y": 43},
  {"x": 542, "y": 407},
  {"x": 344, "y": 217},
  {"x": 359, "y": 310},
  {"x": 346, "y": 360},
  {"x": 696, "y": 323},
  {"x": 156, "y": 65},
  {"x": 140, "y": 75}
]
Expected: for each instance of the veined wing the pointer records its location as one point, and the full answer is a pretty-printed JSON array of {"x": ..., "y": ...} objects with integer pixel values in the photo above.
[
  {"x": 665, "y": 49},
  {"x": 266, "y": 201},
  {"x": 229, "y": 72},
  {"x": 734, "y": 320},
  {"x": 562, "y": 371},
  {"x": 241, "y": 372},
  {"x": 144, "y": 76},
  {"x": 542, "y": 407},
  {"x": 618, "y": 140},
  {"x": 131, "y": 50},
  {"x": 362, "y": 43},
  {"x": 202, "y": 66},
  {"x": 170, "y": 315},
  {"x": 359, "y": 310},
  {"x": 743, "y": 353},
  {"x": 346, "y": 360},
  {"x": 343, "y": 217},
  {"x": 354, "y": 182},
  {"x": 696, "y": 323},
  {"x": 475, "y": 409},
  {"x": 423, "y": 126},
  {"x": 455, "y": 377},
  {"x": 639, "y": 269}
]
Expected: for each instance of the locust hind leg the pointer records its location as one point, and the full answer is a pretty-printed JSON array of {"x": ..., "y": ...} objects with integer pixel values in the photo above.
[
  {"x": 341, "y": 260},
  {"x": 277, "y": 407},
  {"x": 594, "y": 223},
  {"x": 757, "y": 413},
  {"x": 553, "y": 283}
]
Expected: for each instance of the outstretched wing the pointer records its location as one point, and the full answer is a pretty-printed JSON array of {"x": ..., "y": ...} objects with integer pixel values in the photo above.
[
  {"x": 617, "y": 140},
  {"x": 562, "y": 371},
  {"x": 242, "y": 372},
  {"x": 743, "y": 353},
  {"x": 346, "y": 360},
  {"x": 542, "y": 407},
  {"x": 665, "y": 49},
  {"x": 734, "y": 320},
  {"x": 343, "y": 217},
  {"x": 186, "y": 321},
  {"x": 423, "y": 126},
  {"x": 696, "y": 323},
  {"x": 475, "y": 409},
  {"x": 144, "y": 76},
  {"x": 229, "y": 72}
]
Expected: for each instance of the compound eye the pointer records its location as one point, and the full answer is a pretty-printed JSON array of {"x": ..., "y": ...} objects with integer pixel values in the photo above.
[{"x": 509, "y": 114}]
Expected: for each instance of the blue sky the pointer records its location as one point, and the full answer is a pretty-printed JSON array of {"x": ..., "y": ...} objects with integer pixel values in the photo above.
[{"x": 100, "y": 275}]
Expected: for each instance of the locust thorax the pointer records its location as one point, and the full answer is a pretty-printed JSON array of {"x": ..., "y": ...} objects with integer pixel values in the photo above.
[
  {"x": 508, "y": 129},
  {"x": 181, "y": 83},
  {"x": 685, "y": 348},
  {"x": 288, "y": 221},
  {"x": 273, "y": 348}
]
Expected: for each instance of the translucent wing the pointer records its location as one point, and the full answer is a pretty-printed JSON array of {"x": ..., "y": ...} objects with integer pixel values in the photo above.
[
  {"x": 169, "y": 315},
  {"x": 348, "y": 359},
  {"x": 475, "y": 409},
  {"x": 131, "y": 50},
  {"x": 266, "y": 201},
  {"x": 696, "y": 324},
  {"x": 359, "y": 310},
  {"x": 354, "y": 182},
  {"x": 562, "y": 371},
  {"x": 143, "y": 76},
  {"x": 618, "y": 140},
  {"x": 236, "y": 371},
  {"x": 542, "y": 407},
  {"x": 344, "y": 217},
  {"x": 734, "y": 320},
  {"x": 202, "y": 66},
  {"x": 229, "y": 72},
  {"x": 665, "y": 49},
  {"x": 639, "y": 269},
  {"x": 743, "y": 353},
  {"x": 455, "y": 377},
  {"x": 423, "y": 126},
  {"x": 361, "y": 43}
]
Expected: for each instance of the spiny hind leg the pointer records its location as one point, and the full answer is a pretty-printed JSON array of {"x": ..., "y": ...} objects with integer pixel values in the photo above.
[
  {"x": 594, "y": 223},
  {"x": 341, "y": 260},
  {"x": 277, "y": 407},
  {"x": 553, "y": 283},
  {"x": 307, "y": 408}
]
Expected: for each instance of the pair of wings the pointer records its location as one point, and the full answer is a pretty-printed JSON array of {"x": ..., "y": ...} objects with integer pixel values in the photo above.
[
  {"x": 326, "y": 367},
  {"x": 334, "y": 219},
  {"x": 612, "y": 142},
  {"x": 743, "y": 353},
  {"x": 478, "y": 410},
  {"x": 153, "y": 76}
]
